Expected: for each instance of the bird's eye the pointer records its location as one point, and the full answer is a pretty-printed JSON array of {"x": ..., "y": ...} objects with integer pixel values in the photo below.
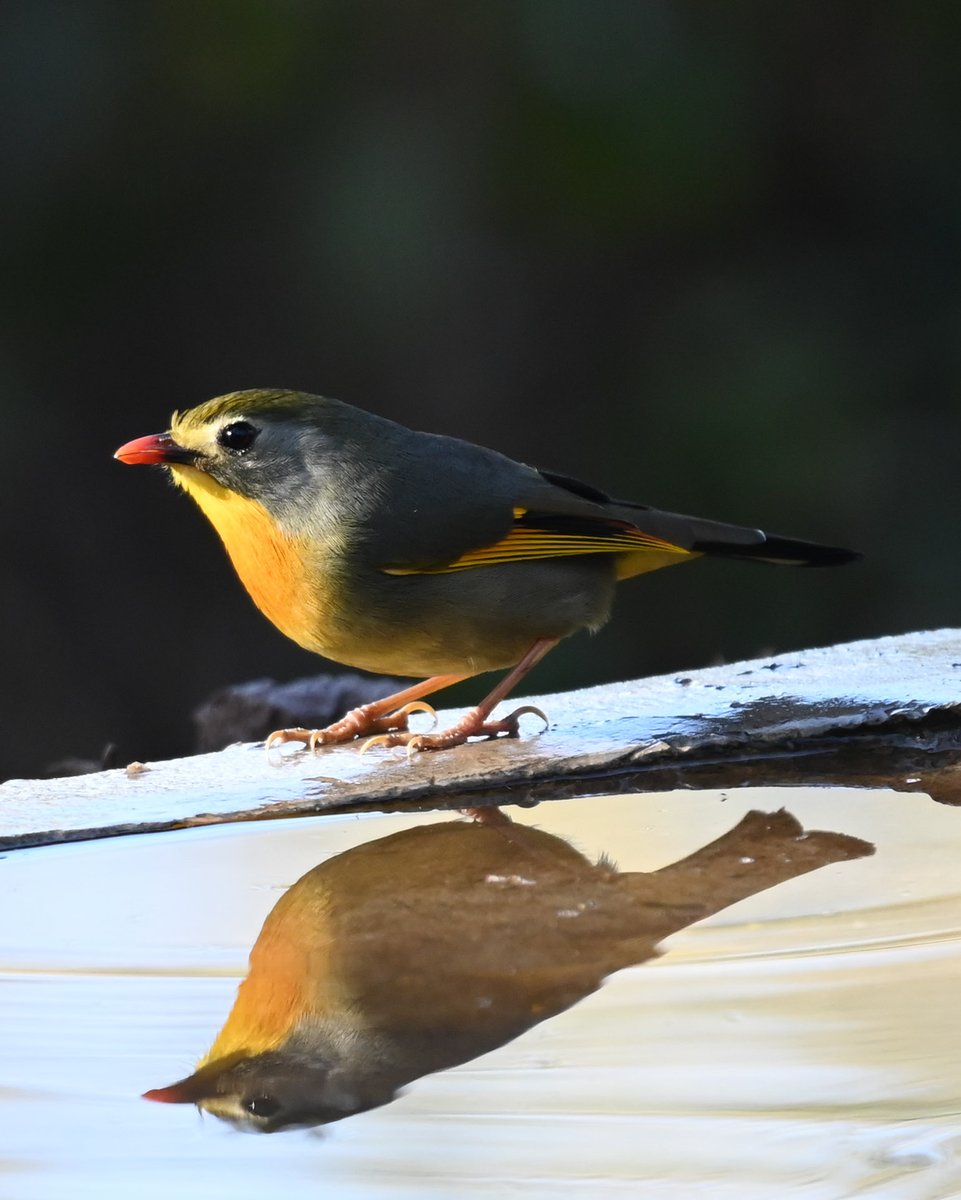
[
  {"x": 262, "y": 1106},
  {"x": 237, "y": 436}
]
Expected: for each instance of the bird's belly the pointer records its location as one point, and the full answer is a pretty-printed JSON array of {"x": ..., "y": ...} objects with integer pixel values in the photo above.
[{"x": 465, "y": 622}]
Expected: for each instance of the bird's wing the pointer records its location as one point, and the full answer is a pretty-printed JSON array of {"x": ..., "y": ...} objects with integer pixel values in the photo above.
[
  {"x": 543, "y": 534},
  {"x": 493, "y": 511},
  {"x": 542, "y": 516}
]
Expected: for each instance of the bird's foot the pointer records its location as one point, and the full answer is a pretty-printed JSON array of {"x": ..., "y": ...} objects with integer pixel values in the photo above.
[
  {"x": 474, "y": 724},
  {"x": 357, "y": 723},
  {"x": 489, "y": 815}
]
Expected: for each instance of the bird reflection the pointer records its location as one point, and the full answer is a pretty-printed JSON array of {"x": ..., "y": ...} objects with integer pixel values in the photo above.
[{"x": 425, "y": 949}]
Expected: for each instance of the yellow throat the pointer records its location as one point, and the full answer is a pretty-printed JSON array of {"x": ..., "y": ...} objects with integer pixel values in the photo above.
[{"x": 272, "y": 565}]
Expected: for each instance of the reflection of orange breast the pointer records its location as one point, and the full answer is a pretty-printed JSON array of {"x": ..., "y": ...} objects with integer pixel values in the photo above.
[
  {"x": 272, "y": 565},
  {"x": 270, "y": 1003},
  {"x": 290, "y": 977}
]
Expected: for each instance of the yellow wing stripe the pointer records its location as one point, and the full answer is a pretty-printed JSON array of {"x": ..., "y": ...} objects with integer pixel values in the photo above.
[{"x": 523, "y": 544}]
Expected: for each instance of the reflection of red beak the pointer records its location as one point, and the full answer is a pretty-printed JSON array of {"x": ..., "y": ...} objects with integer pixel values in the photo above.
[
  {"x": 175, "y": 1093},
  {"x": 156, "y": 448}
]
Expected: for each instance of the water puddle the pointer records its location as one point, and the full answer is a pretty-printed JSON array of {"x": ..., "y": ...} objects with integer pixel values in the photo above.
[{"x": 778, "y": 1017}]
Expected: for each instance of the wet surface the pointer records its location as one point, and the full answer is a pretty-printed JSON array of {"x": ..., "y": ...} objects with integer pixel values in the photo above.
[
  {"x": 905, "y": 692},
  {"x": 780, "y": 1017}
]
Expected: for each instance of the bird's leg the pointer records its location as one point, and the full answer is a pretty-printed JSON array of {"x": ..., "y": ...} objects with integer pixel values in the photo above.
[
  {"x": 489, "y": 815},
  {"x": 475, "y": 723},
  {"x": 381, "y": 716}
]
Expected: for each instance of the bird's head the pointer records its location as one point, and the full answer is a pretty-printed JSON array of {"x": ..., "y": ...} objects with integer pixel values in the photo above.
[
  {"x": 281, "y": 1089},
  {"x": 274, "y": 447}
]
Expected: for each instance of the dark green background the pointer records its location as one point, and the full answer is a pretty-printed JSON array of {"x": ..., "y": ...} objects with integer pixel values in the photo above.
[{"x": 703, "y": 255}]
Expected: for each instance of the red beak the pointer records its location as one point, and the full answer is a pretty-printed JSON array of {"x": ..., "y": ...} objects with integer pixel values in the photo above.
[{"x": 156, "y": 448}]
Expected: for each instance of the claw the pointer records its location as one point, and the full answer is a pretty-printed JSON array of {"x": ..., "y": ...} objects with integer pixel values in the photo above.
[
  {"x": 395, "y": 726},
  {"x": 416, "y": 706},
  {"x": 280, "y": 737},
  {"x": 525, "y": 710},
  {"x": 395, "y": 738}
]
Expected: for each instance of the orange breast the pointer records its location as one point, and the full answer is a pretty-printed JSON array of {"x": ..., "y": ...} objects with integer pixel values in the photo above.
[{"x": 272, "y": 566}]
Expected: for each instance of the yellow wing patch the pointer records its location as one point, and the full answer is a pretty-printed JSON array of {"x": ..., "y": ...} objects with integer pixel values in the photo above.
[{"x": 548, "y": 535}]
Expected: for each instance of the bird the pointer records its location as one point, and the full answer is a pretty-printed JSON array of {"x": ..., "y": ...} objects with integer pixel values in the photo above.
[
  {"x": 416, "y": 554},
  {"x": 357, "y": 987}
]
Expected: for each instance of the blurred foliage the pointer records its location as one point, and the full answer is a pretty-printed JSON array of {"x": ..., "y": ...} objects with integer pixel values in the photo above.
[{"x": 701, "y": 255}]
